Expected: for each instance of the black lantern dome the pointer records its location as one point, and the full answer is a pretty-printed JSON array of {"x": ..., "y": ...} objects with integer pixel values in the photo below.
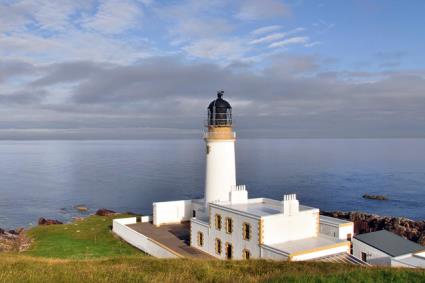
[{"x": 220, "y": 112}]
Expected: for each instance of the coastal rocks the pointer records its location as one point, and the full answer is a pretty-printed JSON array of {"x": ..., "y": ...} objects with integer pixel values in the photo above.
[
  {"x": 364, "y": 223},
  {"x": 375, "y": 197},
  {"x": 44, "y": 221},
  {"x": 105, "y": 212},
  {"x": 81, "y": 208},
  {"x": 14, "y": 240}
]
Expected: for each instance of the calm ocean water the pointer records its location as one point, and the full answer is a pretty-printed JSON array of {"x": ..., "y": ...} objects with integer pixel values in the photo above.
[{"x": 48, "y": 178}]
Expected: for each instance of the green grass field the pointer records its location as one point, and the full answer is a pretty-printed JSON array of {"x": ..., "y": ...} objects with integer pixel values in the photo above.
[
  {"x": 84, "y": 239},
  {"x": 87, "y": 251}
]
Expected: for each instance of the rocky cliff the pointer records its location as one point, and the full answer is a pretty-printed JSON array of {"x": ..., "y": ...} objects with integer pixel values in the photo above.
[{"x": 364, "y": 223}]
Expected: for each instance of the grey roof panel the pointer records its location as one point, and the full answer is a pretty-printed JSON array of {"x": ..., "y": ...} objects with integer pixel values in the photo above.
[{"x": 389, "y": 243}]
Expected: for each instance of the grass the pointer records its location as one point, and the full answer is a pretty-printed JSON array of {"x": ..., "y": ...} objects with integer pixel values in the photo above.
[
  {"x": 19, "y": 268},
  {"x": 88, "y": 238},
  {"x": 87, "y": 251}
]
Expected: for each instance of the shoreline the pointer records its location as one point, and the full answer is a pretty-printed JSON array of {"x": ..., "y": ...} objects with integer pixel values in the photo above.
[{"x": 16, "y": 239}]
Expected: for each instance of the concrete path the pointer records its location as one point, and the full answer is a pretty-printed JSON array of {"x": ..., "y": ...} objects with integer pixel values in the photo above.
[{"x": 175, "y": 237}]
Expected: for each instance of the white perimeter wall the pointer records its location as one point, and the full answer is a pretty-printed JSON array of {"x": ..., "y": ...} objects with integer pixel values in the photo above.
[
  {"x": 374, "y": 256},
  {"x": 138, "y": 240},
  {"x": 272, "y": 253},
  {"x": 335, "y": 250},
  {"x": 279, "y": 228},
  {"x": 172, "y": 212}
]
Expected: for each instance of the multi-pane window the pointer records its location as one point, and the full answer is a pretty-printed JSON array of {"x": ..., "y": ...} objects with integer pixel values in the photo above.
[
  {"x": 218, "y": 221},
  {"x": 200, "y": 239},
  {"x": 229, "y": 225},
  {"x": 246, "y": 254},
  {"x": 246, "y": 231},
  {"x": 217, "y": 246}
]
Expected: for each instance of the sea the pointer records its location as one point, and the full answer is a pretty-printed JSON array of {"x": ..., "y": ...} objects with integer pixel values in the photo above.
[{"x": 49, "y": 178}]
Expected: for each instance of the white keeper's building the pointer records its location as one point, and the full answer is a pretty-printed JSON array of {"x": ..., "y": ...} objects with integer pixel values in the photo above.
[{"x": 226, "y": 224}]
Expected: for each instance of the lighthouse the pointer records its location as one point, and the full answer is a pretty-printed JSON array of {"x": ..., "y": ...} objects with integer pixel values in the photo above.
[
  {"x": 220, "y": 151},
  {"x": 226, "y": 224}
]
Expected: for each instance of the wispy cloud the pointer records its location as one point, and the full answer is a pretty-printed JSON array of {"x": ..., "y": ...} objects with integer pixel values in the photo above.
[
  {"x": 268, "y": 38},
  {"x": 289, "y": 41},
  {"x": 275, "y": 36},
  {"x": 311, "y": 44},
  {"x": 266, "y": 29}
]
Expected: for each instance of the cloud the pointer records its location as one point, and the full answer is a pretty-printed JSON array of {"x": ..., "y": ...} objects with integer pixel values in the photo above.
[
  {"x": 101, "y": 69},
  {"x": 167, "y": 97},
  {"x": 266, "y": 29},
  {"x": 268, "y": 38},
  {"x": 265, "y": 9},
  {"x": 115, "y": 16},
  {"x": 14, "y": 69},
  {"x": 312, "y": 44},
  {"x": 275, "y": 36},
  {"x": 289, "y": 41},
  {"x": 216, "y": 49}
]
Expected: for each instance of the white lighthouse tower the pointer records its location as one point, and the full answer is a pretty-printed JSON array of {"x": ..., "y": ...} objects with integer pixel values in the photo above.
[{"x": 220, "y": 141}]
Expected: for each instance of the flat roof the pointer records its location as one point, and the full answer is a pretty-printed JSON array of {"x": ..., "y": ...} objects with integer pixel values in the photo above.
[
  {"x": 413, "y": 260},
  {"x": 260, "y": 207},
  {"x": 389, "y": 243},
  {"x": 306, "y": 244},
  {"x": 334, "y": 220}
]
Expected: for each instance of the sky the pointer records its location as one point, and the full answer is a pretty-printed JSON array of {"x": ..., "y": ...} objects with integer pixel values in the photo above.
[{"x": 134, "y": 69}]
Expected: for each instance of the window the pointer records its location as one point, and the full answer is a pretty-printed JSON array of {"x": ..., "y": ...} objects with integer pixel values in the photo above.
[
  {"x": 246, "y": 254},
  {"x": 229, "y": 251},
  {"x": 218, "y": 221},
  {"x": 364, "y": 257},
  {"x": 246, "y": 231},
  {"x": 218, "y": 246},
  {"x": 229, "y": 225},
  {"x": 200, "y": 239},
  {"x": 193, "y": 213}
]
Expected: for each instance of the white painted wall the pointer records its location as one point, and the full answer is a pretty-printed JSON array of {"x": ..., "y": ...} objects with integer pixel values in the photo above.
[
  {"x": 344, "y": 230},
  {"x": 374, "y": 256},
  {"x": 336, "y": 231},
  {"x": 279, "y": 228},
  {"x": 138, "y": 240},
  {"x": 235, "y": 238},
  {"x": 317, "y": 254},
  {"x": 272, "y": 253},
  {"x": 171, "y": 212},
  {"x": 200, "y": 226},
  {"x": 220, "y": 170}
]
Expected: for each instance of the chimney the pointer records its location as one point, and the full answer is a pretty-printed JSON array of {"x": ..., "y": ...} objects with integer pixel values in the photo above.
[{"x": 290, "y": 205}]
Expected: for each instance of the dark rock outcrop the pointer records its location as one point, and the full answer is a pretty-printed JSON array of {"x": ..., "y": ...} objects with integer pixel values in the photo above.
[
  {"x": 375, "y": 197},
  {"x": 105, "y": 212},
  {"x": 364, "y": 223},
  {"x": 44, "y": 221}
]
